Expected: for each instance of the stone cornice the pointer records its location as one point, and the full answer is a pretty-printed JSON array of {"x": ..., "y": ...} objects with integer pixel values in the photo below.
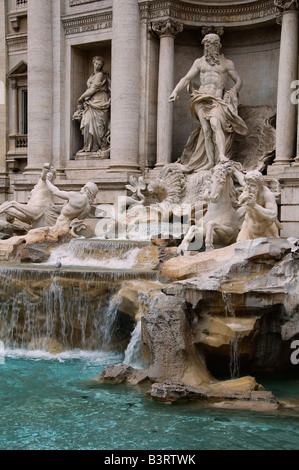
[
  {"x": 181, "y": 11},
  {"x": 198, "y": 15}
]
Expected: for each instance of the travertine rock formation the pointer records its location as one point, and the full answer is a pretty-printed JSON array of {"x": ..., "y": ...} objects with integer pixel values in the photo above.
[{"x": 225, "y": 313}]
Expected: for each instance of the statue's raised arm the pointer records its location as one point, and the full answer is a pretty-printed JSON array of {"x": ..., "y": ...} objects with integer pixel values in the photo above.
[{"x": 213, "y": 107}]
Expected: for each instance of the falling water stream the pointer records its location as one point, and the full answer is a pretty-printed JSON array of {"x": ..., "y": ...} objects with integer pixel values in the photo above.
[{"x": 234, "y": 365}]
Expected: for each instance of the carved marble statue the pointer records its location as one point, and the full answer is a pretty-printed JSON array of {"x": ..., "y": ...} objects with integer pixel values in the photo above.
[
  {"x": 77, "y": 207},
  {"x": 212, "y": 107},
  {"x": 93, "y": 112},
  {"x": 223, "y": 218},
  {"x": 261, "y": 209},
  {"x": 39, "y": 210}
]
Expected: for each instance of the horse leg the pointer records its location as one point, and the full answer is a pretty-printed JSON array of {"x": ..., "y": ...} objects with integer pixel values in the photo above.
[
  {"x": 209, "y": 240},
  {"x": 183, "y": 247}
]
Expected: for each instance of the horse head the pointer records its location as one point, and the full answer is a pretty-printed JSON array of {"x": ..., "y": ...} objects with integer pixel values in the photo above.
[{"x": 218, "y": 182}]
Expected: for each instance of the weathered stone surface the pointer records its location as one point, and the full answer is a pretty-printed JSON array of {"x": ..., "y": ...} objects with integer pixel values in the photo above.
[
  {"x": 240, "y": 396},
  {"x": 136, "y": 297},
  {"x": 220, "y": 261},
  {"x": 32, "y": 254},
  {"x": 122, "y": 373}
]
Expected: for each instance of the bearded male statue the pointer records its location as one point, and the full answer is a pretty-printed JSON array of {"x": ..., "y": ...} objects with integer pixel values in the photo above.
[{"x": 214, "y": 108}]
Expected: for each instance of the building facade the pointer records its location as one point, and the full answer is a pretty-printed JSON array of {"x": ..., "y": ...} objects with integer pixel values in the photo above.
[{"x": 46, "y": 58}]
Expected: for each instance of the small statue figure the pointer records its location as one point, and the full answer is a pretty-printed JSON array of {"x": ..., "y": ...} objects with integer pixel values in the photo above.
[
  {"x": 93, "y": 111},
  {"x": 39, "y": 210},
  {"x": 261, "y": 209},
  {"x": 212, "y": 107}
]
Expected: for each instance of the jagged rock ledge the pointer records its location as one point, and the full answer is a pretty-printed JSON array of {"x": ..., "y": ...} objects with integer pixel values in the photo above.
[{"x": 243, "y": 393}]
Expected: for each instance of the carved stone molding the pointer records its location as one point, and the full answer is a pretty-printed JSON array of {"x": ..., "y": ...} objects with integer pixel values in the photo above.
[
  {"x": 167, "y": 28},
  {"x": 17, "y": 43},
  {"x": 92, "y": 22},
  {"x": 80, "y": 2},
  {"x": 199, "y": 15}
]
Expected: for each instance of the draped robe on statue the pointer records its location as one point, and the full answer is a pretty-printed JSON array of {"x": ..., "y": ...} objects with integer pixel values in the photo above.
[
  {"x": 226, "y": 111},
  {"x": 96, "y": 114}
]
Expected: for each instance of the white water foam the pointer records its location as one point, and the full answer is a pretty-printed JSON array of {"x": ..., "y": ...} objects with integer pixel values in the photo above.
[
  {"x": 96, "y": 357},
  {"x": 66, "y": 258}
]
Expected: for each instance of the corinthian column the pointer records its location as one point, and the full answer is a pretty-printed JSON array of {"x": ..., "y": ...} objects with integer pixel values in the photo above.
[
  {"x": 166, "y": 31},
  {"x": 288, "y": 70},
  {"x": 125, "y": 86},
  {"x": 40, "y": 78}
]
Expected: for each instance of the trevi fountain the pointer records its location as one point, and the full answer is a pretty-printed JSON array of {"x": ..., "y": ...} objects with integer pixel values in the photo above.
[{"x": 183, "y": 292}]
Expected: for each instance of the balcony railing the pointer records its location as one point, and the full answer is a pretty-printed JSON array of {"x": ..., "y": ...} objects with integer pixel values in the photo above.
[
  {"x": 21, "y": 3},
  {"x": 21, "y": 141}
]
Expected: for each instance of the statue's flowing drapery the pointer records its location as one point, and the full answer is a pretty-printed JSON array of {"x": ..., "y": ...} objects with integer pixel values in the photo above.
[{"x": 226, "y": 111}]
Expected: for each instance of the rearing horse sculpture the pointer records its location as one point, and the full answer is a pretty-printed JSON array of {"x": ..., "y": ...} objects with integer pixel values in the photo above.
[
  {"x": 223, "y": 218},
  {"x": 39, "y": 210}
]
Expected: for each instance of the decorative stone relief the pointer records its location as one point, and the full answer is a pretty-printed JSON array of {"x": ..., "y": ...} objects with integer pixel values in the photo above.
[
  {"x": 256, "y": 150},
  {"x": 213, "y": 14},
  {"x": 91, "y": 22}
]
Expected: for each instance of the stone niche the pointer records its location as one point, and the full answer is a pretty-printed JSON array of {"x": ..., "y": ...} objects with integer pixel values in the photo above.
[
  {"x": 81, "y": 70},
  {"x": 255, "y": 53}
]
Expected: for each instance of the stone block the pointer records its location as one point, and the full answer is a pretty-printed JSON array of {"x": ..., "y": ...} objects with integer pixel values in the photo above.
[{"x": 290, "y": 213}]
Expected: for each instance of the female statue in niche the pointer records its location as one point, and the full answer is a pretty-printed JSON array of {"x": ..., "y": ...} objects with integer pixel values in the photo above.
[{"x": 93, "y": 111}]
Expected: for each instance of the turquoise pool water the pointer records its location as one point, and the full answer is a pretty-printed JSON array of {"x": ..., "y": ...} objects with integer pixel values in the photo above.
[{"x": 50, "y": 403}]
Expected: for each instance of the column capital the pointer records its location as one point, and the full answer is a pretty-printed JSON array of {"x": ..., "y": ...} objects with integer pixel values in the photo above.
[
  {"x": 219, "y": 30},
  {"x": 286, "y": 5},
  {"x": 167, "y": 28}
]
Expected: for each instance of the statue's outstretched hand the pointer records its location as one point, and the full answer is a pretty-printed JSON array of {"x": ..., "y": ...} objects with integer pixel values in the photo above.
[{"x": 173, "y": 97}]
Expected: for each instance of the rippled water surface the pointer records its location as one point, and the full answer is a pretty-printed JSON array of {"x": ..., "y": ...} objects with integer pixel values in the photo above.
[{"x": 50, "y": 403}]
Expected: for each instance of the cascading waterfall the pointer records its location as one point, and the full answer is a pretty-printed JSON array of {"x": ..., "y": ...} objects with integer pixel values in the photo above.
[
  {"x": 134, "y": 351},
  {"x": 75, "y": 308},
  {"x": 235, "y": 357},
  {"x": 234, "y": 365}
]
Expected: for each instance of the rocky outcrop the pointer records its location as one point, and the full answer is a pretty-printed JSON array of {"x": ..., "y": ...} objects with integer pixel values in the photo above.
[{"x": 224, "y": 313}]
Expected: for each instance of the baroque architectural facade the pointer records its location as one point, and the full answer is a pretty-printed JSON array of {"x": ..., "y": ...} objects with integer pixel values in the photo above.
[{"x": 146, "y": 46}]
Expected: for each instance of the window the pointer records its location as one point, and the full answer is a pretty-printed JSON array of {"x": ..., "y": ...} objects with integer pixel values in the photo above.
[{"x": 24, "y": 113}]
